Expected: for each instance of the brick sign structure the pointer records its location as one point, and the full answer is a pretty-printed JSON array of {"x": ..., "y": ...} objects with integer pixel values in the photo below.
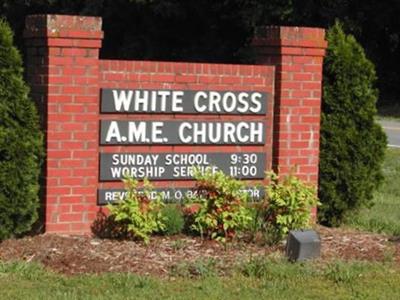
[{"x": 107, "y": 118}]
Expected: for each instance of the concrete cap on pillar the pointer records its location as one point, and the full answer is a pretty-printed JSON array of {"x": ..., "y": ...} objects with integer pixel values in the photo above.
[{"x": 63, "y": 26}]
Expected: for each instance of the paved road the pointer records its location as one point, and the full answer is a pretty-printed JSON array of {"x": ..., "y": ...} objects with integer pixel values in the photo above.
[{"x": 392, "y": 129}]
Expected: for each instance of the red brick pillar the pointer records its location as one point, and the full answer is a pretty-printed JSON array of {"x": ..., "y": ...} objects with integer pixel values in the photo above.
[
  {"x": 63, "y": 71},
  {"x": 297, "y": 53}
]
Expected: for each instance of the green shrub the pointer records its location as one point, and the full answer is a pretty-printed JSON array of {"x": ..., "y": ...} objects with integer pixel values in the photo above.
[
  {"x": 190, "y": 211},
  {"x": 137, "y": 214},
  {"x": 21, "y": 144},
  {"x": 287, "y": 206},
  {"x": 174, "y": 221},
  {"x": 352, "y": 144},
  {"x": 220, "y": 209}
]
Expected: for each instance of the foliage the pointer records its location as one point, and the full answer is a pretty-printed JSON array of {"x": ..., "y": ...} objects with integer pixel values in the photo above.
[
  {"x": 173, "y": 219},
  {"x": 21, "y": 148},
  {"x": 154, "y": 29},
  {"x": 373, "y": 23},
  {"x": 221, "y": 209},
  {"x": 287, "y": 206},
  {"x": 352, "y": 143},
  {"x": 137, "y": 213},
  {"x": 106, "y": 227},
  {"x": 190, "y": 211}
]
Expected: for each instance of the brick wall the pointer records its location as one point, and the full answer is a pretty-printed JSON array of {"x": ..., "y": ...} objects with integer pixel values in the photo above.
[
  {"x": 63, "y": 71},
  {"x": 297, "y": 53},
  {"x": 66, "y": 75}
]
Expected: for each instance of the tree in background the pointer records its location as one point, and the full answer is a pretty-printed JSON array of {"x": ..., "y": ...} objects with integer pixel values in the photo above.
[
  {"x": 375, "y": 24},
  {"x": 352, "y": 144},
  {"x": 20, "y": 143}
]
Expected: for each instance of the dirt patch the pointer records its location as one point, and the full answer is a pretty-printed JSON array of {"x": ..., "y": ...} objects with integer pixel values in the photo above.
[
  {"x": 84, "y": 254},
  {"x": 349, "y": 244}
]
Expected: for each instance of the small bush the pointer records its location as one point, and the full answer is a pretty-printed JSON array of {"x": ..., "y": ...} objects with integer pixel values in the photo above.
[
  {"x": 352, "y": 143},
  {"x": 173, "y": 219},
  {"x": 105, "y": 227},
  {"x": 220, "y": 208},
  {"x": 21, "y": 143},
  {"x": 190, "y": 211},
  {"x": 287, "y": 206},
  {"x": 137, "y": 214}
]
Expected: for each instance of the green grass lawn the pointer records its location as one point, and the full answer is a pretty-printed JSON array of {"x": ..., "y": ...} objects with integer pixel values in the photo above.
[
  {"x": 384, "y": 216},
  {"x": 266, "y": 279}
]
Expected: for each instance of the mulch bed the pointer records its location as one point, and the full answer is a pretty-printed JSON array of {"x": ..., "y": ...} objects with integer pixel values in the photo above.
[{"x": 84, "y": 254}]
